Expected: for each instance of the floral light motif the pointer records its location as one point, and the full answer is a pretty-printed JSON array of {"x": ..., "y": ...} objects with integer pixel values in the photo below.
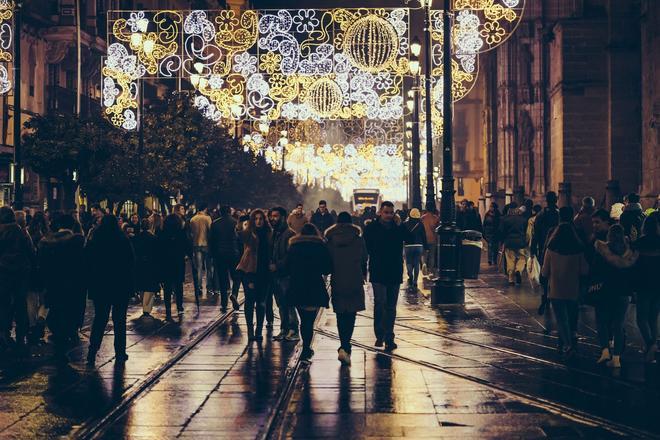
[
  {"x": 306, "y": 21},
  {"x": 6, "y": 38}
]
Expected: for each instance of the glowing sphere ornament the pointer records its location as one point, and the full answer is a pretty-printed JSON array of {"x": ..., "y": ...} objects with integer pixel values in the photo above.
[
  {"x": 324, "y": 97},
  {"x": 371, "y": 43}
]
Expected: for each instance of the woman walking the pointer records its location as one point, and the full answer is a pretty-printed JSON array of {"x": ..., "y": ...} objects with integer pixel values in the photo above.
[
  {"x": 349, "y": 271},
  {"x": 173, "y": 245},
  {"x": 611, "y": 283},
  {"x": 491, "y": 227},
  {"x": 255, "y": 270},
  {"x": 563, "y": 267},
  {"x": 307, "y": 261},
  {"x": 646, "y": 284},
  {"x": 145, "y": 244},
  {"x": 110, "y": 261}
]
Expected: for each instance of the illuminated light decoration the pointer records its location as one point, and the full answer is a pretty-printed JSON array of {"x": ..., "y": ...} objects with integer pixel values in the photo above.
[
  {"x": 6, "y": 39},
  {"x": 371, "y": 43},
  {"x": 324, "y": 97},
  {"x": 482, "y": 25}
]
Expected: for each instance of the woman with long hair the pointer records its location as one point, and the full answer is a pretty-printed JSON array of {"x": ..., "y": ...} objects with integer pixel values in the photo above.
[
  {"x": 307, "y": 261},
  {"x": 156, "y": 223},
  {"x": 563, "y": 266},
  {"x": 173, "y": 246},
  {"x": 111, "y": 280},
  {"x": 612, "y": 281},
  {"x": 255, "y": 270}
]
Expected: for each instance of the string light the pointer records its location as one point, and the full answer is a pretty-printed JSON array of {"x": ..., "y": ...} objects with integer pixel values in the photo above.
[{"x": 6, "y": 39}]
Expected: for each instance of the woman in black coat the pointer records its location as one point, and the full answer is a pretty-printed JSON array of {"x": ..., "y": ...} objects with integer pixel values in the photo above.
[
  {"x": 173, "y": 245},
  {"x": 110, "y": 268},
  {"x": 306, "y": 263},
  {"x": 147, "y": 279},
  {"x": 491, "y": 227}
]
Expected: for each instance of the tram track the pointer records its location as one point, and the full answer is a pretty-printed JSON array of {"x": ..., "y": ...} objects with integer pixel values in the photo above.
[{"x": 548, "y": 405}]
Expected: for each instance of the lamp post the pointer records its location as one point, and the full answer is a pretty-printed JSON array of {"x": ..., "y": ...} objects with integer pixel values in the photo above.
[
  {"x": 18, "y": 156},
  {"x": 416, "y": 195},
  {"x": 449, "y": 287},
  {"x": 430, "y": 188}
]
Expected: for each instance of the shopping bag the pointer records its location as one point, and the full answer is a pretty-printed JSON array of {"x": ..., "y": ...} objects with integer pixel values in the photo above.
[
  {"x": 533, "y": 270},
  {"x": 501, "y": 261}
]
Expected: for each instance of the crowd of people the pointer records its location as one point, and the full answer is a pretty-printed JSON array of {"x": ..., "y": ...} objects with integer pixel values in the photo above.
[{"x": 51, "y": 263}]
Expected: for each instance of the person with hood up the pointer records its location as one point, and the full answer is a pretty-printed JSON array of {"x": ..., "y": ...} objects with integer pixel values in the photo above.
[
  {"x": 646, "y": 284},
  {"x": 297, "y": 219},
  {"x": 513, "y": 231},
  {"x": 307, "y": 261},
  {"x": 564, "y": 266},
  {"x": 349, "y": 271},
  {"x": 61, "y": 257},
  {"x": 414, "y": 247},
  {"x": 612, "y": 283},
  {"x": 632, "y": 217}
]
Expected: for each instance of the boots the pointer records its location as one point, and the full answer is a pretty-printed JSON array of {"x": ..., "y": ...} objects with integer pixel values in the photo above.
[
  {"x": 604, "y": 356},
  {"x": 615, "y": 362}
]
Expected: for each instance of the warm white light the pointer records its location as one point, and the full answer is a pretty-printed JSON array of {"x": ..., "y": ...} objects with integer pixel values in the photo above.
[
  {"x": 411, "y": 94},
  {"x": 410, "y": 104},
  {"x": 149, "y": 46},
  {"x": 409, "y": 124},
  {"x": 425, "y": 3},
  {"x": 199, "y": 67},
  {"x": 415, "y": 47},
  {"x": 237, "y": 99},
  {"x": 409, "y": 133},
  {"x": 414, "y": 67},
  {"x": 203, "y": 82},
  {"x": 264, "y": 127},
  {"x": 142, "y": 24},
  {"x": 194, "y": 80},
  {"x": 136, "y": 40}
]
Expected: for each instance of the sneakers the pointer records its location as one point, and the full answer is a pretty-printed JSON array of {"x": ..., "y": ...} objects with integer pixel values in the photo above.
[
  {"x": 234, "y": 302},
  {"x": 344, "y": 357},
  {"x": 379, "y": 342},
  {"x": 280, "y": 336},
  {"x": 615, "y": 362},
  {"x": 604, "y": 356},
  {"x": 292, "y": 336}
]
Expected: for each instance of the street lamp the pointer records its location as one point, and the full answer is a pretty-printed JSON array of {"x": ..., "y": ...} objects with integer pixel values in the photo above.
[
  {"x": 430, "y": 190},
  {"x": 413, "y": 107}
]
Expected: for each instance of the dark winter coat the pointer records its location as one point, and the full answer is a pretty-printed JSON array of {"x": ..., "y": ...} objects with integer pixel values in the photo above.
[
  {"x": 322, "y": 221},
  {"x": 583, "y": 224},
  {"x": 223, "y": 241},
  {"x": 491, "y": 225},
  {"x": 16, "y": 254},
  {"x": 417, "y": 232},
  {"x": 513, "y": 231},
  {"x": 631, "y": 220},
  {"x": 646, "y": 279},
  {"x": 349, "y": 266},
  {"x": 545, "y": 221},
  {"x": 385, "y": 247},
  {"x": 110, "y": 267},
  {"x": 61, "y": 260},
  {"x": 147, "y": 254},
  {"x": 470, "y": 221},
  {"x": 307, "y": 261},
  {"x": 615, "y": 272},
  {"x": 173, "y": 246},
  {"x": 281, "y": 237}
]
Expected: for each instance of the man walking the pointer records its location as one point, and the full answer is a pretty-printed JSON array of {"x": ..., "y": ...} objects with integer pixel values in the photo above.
[
  {"x": 385, "y": 238},
  {"x": 200, "y": 225},
  {"x": 223, "y": 246},
  {"x": 322, "y": 219}
]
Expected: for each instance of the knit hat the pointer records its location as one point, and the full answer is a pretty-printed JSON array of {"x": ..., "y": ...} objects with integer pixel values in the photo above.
[
  {"x": 414, "y": 213},
  {"x": 616, "y": 210}
]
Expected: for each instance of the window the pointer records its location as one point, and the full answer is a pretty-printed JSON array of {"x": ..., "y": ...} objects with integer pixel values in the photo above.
[{"x": 32, "y": 66}]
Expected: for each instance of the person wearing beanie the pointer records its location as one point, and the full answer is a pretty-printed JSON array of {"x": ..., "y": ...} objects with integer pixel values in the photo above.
[
  {"x": 349, "y": 271},
  {"x": 414, "y": 247}
]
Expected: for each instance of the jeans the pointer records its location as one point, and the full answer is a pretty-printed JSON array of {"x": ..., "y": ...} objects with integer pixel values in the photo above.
[
  {"x": 102, "y": 308},
  {"x": 413, "y": 261},
  {"x": 493, "y": 251},
  {"x": 566, "y": 315},
  {"x": 288, "y": 315},
  {"x": 648, "y": 307},
  {"x": 13, "y": 308},
  {"x": 516, "y": 259},
  {"x": 307, "y": 318},
  {"x": 225, "y": 269},
  {"x": 610, "y": 316},
  {"x": 256, "y": 287},
  {"x": 177, "y": 290},
  {"x": 345, "y": 326},
  {"x": 385, "y": 299},
  {"x": 203, "y": 265}
]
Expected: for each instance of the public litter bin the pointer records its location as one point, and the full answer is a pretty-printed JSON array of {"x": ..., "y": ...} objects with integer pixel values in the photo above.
[{"x": 471, "y": 254}]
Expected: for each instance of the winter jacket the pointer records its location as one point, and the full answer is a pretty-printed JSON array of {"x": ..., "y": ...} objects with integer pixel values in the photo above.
[
  {"x": 417, "y": 232},
  {"x": 513, "y": 231},
  {"x": 615, "y": 272},
  {"x": 200, "y": 225},
  {"x": 546, "y": 220},
  {"x": 173, "y": 246},
  {"x": 349, "y": 267},
  {"x": 223, "y": 241},
  {"x": 631, "y": 220},
  {"x": 322, "y": 221},
  {"x": 470, "y": 221},
  {"x": 296, "y": 221},
  {"x": 281, "y": 237},
  {"x": 491, "y": 225},
  {"x": 645, "y": 273},
  {"x": 16, "y": 254},
  {"x": 307, "y": 261},
  {"x": 110, "y": 267},
  {"x": 431, "y": 222},
  {"x": 61, "y": 260},
  {"x": 564, "y": 272},
  {"x": 250, "y": 262},
  {"x": 147, "y": 254},
  {"x": 385, "y": 247}
]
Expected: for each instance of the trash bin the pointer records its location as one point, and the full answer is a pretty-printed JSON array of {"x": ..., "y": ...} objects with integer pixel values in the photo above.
[{"x": 471, "y": 254}]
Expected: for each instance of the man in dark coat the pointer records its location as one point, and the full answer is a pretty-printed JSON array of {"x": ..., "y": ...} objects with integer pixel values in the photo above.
[
  {"x": 223, "y": 246},
  {"x": 61, "y": 259},
  {"x": 282, "y": 233},
  {"x": 322, "y": 219},
  {"x": 385, "y": 238},
  {"x": 513, "y": 230},
  {"x": 632, "y": 217},
  {"x": 16, "y": 256},
  {"x": 545, "y": 221}
]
